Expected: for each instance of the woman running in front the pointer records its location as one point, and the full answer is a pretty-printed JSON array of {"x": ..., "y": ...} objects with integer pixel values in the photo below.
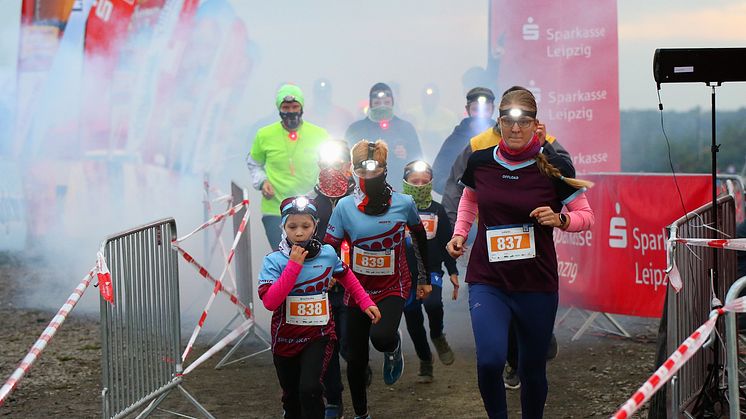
[
  {"x": 373, "y": 220},
  {"x": 293, "y": 284},
  {"x": 518, "y": 193}
]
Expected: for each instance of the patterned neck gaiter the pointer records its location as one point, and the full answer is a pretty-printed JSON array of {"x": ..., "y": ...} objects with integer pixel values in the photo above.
[{"x": 422, "y": 194}]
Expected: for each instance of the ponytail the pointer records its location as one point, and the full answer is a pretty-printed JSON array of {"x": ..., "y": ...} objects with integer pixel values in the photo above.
[{"x": 549, "y": 170}]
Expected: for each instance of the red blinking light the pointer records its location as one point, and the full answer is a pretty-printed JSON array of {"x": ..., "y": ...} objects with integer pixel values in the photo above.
[
  {"x": 293, "y": 135},
  {"x": 384, "y": 124}
]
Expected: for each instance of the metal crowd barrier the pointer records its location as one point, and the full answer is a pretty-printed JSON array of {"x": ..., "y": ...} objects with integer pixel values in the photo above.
[
  {"x": 688, "y": 309},
  {"x": 140, "y": 332},
  {"x": 731, "y": 345}
]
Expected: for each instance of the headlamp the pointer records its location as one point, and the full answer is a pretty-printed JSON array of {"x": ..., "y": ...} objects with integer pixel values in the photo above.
[
  {"x": 481, "y": 100},
  {"x": 300, "y": 203},
  {"x": 332, "y": 152},
  {"x": 370, "y": 164},
  {"x": 419, "y": 166},
  {"x": 429, "y": 91},
  {"x": 289, "y": 98},
  {"x": 517, "y": 112},
  {"x": 381, "y": 94}
]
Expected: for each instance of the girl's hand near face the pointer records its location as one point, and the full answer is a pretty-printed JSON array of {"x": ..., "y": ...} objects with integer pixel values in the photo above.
[{"x": 298, "y": 254}]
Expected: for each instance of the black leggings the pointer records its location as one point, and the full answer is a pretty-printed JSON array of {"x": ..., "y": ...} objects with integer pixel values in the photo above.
[
  {"x": 300, "y": 379},
  {"x": 416, "y": 322},
  {"x": 384, "y": 337}
]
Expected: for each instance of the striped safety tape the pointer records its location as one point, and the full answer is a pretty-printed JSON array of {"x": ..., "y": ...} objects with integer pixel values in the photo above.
[
  {"x": 682, "y": 354},
  {"x": 45, "y": 337}
]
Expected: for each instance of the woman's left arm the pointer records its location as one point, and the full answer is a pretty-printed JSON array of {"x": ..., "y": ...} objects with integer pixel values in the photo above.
[{"x": 580, "y": 215}]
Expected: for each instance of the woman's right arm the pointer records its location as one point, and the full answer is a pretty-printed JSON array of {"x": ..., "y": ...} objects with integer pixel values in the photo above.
[{"x": 467, "y": 212}]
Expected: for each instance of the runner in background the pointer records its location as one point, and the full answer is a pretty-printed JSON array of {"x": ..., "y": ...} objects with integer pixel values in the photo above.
[
  {"x": 480, "y": 106},
  {"x": 335, "y": 182},
  {"x": 293, "y": 285},
  {"x": 418, "y": 177},
  {"x": 518, "y": 192},
  {"x": 282, "y": 160},
  {"x": 381, "y": 123},
  {"x": 373, "y": 219}
]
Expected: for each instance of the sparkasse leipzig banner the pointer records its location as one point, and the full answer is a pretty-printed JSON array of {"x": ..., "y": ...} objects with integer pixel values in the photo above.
[
  {"x": 566, "y": 53},
  {"x": 618, "y": 266}
]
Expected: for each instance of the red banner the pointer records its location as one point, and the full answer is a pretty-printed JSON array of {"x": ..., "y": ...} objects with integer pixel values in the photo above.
[
  {"x": 566, "y": 53},
  {"x": 619, "y": 265},
  {"x": 107, "y": 23}
]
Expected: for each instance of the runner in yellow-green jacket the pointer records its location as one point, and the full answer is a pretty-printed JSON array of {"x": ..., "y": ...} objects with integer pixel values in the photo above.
[{"x": 283, "y": 158}]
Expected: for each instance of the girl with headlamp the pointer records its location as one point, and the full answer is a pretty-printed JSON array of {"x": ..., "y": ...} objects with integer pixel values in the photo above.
[
  {"x": 374, "y": 219},
  {"x": 418, "y": 182},
  {"x": 292, "y": 284},
  {"x": 519, "y": 193}
]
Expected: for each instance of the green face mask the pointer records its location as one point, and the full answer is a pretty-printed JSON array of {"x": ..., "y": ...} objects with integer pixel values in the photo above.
[
  {"x": 422, "y": 194},
  {"x": 381, "y": 113}
]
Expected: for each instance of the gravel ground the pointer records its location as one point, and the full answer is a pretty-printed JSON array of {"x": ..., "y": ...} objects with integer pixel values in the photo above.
[{"x": 589, "y": 378}]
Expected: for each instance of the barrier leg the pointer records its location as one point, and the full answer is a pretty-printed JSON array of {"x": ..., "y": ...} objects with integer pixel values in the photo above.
[
  {"x": 251, "y": 332},
  {"x": 588, "y": 322},
  {"x": 618, "y": 326},
  {"x": 154, "y": 405},
  {"x": 195, "y": 403}
]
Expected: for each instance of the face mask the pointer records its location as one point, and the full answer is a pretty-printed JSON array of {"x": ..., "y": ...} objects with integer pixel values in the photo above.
[
  {"x": 333, "y": 183},
  {"x": 291, "y": 120},
  {"x": 381, "y": 113},
  {"x": 373, "y": 187},
  {"x": 422, "y": 194},
  {"x": 374, "y": 196}
]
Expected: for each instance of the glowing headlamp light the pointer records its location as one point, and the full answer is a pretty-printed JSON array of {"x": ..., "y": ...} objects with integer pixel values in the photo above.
[
  {"x": 381, "y": 94},
  {"x": 429, "y": 91},
  {"x": 300, "y": 203},
  {"x": 331, "y": 152},
  {"x": 370, "y": 165},
  {"x": 515, "y": 113},
  {"x": 419, "y": 166},
  {"x": 481, "y": 100}
]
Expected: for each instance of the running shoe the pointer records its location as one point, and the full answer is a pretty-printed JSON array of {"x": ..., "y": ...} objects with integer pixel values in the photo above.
[
  {"x": 426, "y": 372},
  {"x": 510, "y": 378},
  {"x": 393, "y": 364},
  {"x": 366, "y": 416},
  {"x": 445, "y": 354},
  {"x": 334, "y": 411}
]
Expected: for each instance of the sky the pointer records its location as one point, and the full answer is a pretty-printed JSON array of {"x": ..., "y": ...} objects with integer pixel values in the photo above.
[{"x": 355, "y": 44}]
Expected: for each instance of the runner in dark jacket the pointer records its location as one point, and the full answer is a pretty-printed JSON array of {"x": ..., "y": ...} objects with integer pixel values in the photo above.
[
  {"x": 382, "y": 124},
  {"x": 480, "y": 105}
]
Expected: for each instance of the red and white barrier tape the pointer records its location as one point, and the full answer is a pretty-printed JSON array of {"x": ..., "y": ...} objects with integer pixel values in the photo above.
[
  {"x": 205, "y": 274},
  {"x": 45, "y": 337},
  {"x": 232, "y": 211},
  {"x": 238, "y": 331},
  {"x": 219, "y": 241},
  {"x": 732, "y": 244},
  {"x": 218, "y": 284},
  {"x": 684, "y": 352}
]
